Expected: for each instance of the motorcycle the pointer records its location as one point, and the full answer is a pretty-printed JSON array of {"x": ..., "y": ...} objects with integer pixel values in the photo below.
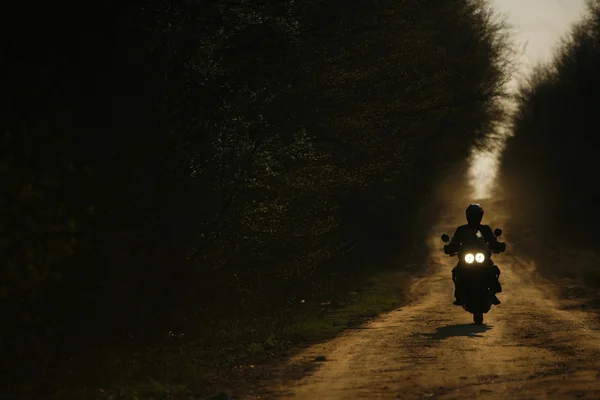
[{"x": 474, "y": 259}]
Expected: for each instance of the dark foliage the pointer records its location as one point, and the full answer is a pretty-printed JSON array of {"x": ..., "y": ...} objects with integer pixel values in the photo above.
[
  {"x": 549, "y": 165},
  {"x": 168, "y": 162}
]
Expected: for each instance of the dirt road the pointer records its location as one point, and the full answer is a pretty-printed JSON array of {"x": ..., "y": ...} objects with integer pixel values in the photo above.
[{"x": 530, "y": 347}]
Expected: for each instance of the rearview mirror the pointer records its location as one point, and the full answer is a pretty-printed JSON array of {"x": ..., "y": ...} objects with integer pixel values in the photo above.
[
  {"x": 498, "y": 232},
  {"x": 445, "y": 238}
]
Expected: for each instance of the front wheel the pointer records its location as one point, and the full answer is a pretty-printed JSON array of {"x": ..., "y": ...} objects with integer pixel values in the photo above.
[{"x": 478, "y": 318}]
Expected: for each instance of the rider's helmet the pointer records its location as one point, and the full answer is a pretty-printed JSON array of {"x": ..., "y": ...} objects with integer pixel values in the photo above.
[{"x": 474, "y": 214}]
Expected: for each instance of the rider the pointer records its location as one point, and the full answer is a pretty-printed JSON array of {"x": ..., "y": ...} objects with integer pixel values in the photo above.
[{"x": 465, "y": 232}]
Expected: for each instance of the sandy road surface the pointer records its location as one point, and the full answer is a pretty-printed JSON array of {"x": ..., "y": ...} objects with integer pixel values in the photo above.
[{"x": 530, "y": 346}]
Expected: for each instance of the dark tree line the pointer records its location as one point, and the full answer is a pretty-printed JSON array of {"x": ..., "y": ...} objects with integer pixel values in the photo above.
[
  {"x": 165, "y": 162},
  {"x": 549, "y": 166}
]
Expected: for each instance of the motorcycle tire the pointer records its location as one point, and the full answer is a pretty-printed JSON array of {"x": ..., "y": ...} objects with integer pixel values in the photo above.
[{"x": 478, "y": 318}]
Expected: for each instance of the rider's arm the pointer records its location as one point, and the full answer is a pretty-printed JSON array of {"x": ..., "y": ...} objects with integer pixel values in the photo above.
[
  {"x": 454, "y": 244},
  {"x": 489, "y": 237}
]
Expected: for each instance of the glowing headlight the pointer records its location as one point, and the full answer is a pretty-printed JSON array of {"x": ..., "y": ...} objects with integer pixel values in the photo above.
[
  {"x": 479, "y": 257},
  {"x": 469, "y": 258}
]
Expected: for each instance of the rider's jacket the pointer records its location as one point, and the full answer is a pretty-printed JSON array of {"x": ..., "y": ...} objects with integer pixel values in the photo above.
[{"x": 469, "y": 232}]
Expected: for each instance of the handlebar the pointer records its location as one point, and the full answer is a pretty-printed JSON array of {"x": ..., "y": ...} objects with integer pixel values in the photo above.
[{"x": 493, "y": 251}]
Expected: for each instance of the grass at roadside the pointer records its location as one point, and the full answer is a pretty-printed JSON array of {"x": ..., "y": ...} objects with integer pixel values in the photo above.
[
  {"x": 575, "y": 269},
  {"x": 235, "y": 348},
  {"x": 577, "y": 273}
]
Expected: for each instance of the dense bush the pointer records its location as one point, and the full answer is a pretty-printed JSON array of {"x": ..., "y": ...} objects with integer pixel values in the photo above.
[
  {"x": 166, "y": 162},
  {"x": 549, "y": 164}
]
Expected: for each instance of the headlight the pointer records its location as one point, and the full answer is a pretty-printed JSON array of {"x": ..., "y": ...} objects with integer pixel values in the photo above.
[
  {"x": 469, "y": 258},
  {"x": 479, "y": 257}
]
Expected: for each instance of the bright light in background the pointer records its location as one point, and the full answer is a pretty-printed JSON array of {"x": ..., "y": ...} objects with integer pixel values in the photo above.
[
  {"x": 484, "y": 168},
  {"x": 538, "y": 26}
]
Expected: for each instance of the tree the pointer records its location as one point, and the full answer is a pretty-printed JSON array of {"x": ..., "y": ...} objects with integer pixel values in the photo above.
[
  {"x": 173, "y": 162},
  {"x": 549, "y": 162}
]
